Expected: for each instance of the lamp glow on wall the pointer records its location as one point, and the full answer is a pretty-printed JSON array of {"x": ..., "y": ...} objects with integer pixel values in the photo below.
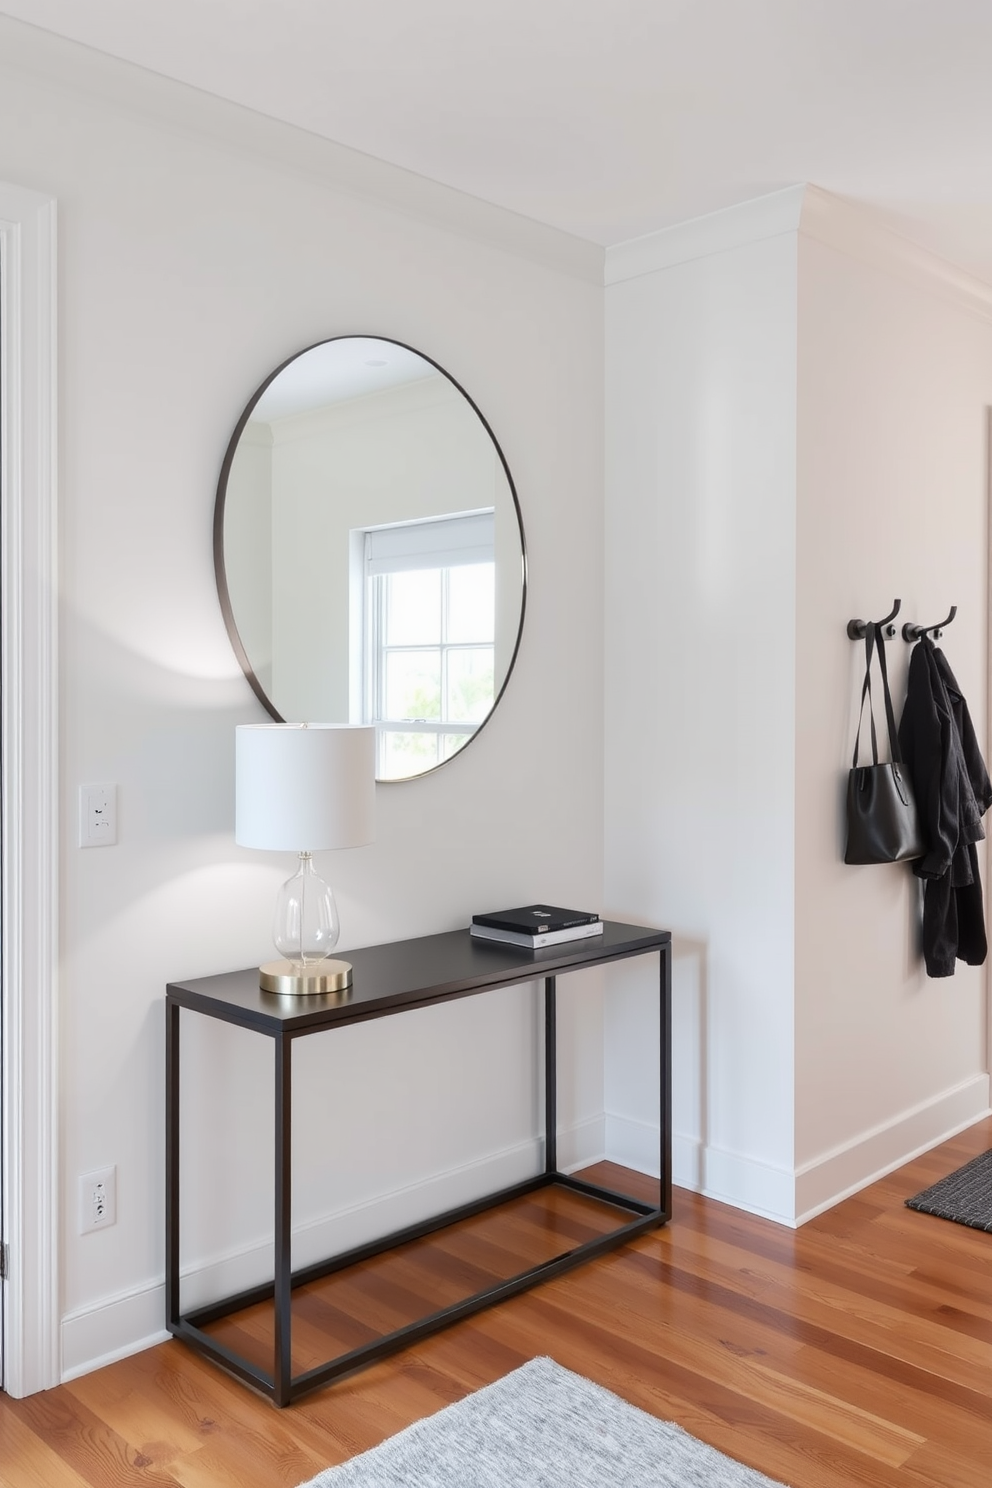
[{"x": 303, "y": 788}]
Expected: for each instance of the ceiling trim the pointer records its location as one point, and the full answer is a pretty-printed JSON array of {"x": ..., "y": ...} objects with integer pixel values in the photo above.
[
  {"x": 751, "y": 221},
  {"x": 863, "y": 234},
  {"x": 848, "y": 227},
  {"x": 289, "y": 149}
]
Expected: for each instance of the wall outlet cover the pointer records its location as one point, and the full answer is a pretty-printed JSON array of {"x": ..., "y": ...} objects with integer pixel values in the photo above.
[
  {"x": 98, "y": 815},
  {"x": 97, "y": 1200}
]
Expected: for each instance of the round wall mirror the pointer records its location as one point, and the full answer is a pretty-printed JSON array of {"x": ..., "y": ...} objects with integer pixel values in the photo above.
[{"x": 369, "y": 550}]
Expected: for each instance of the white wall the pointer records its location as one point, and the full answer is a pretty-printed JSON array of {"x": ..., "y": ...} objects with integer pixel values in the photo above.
[
  {"x": 700, "y": 700},
  {"x": 198, "y": 248},
  {"x": 895, "y": 380},
  {"x": 796, "y": 433}
]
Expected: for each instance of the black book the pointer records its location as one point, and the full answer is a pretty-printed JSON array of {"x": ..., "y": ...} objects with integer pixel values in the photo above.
[
  {"x": 531, "y": 942},
  {"x": 535, "y": 919}
]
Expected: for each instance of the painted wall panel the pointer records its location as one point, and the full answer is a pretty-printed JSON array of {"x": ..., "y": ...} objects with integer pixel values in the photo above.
[{"x": 700, "y": 560}]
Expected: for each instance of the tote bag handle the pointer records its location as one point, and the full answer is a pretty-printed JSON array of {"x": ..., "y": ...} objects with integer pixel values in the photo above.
[{"x": 874, "y": 641}]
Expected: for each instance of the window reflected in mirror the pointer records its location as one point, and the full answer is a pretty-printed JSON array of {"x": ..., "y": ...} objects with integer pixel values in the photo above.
[{"x": 428, "y": 649}]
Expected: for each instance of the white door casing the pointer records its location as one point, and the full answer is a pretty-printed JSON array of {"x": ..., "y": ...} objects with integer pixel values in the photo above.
[{"x": 29, "y": 784}]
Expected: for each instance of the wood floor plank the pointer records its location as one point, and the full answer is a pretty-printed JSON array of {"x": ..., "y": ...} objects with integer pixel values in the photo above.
[
  {"x": 851, "y": 1309},
  {"x": 146, "y": 1423},
  {"x": 27, "y": 1461},
  {"x": 83, "y": 1440},
  {"x": 742, "y": 1375},
  {"x": 201, "y": 1396},
  {"x": 756, "y": 1333}
]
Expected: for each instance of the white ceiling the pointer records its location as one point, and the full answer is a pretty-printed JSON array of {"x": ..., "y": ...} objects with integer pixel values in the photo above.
[
  {"x": 608, "y": 118},
  {"x": 333, "y": 371}
]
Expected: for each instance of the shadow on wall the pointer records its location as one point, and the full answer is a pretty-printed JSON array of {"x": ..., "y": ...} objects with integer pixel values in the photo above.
[
  {"x": 632, "y": 1031},
  {"x": 164, "y": 735}
]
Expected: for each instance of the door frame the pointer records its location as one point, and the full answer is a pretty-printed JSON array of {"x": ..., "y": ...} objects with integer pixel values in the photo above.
[{"x": 29, "y": 818}]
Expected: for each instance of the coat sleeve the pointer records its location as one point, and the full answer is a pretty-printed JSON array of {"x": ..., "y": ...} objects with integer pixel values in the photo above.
[
  {"x": 926, "y": 735},
  {"x": 977, "y": 775}
]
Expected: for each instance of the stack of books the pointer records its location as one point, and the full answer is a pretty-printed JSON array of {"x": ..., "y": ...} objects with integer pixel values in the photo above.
[{"x": 536, "y": 925}]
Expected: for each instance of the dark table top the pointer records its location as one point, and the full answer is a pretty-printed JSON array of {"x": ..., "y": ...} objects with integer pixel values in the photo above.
[{"x": 406, "y": 974}]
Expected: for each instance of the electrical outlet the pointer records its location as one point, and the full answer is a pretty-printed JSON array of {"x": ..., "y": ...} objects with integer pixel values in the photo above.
[
  {"x": 98, "y": 815},
  {"x": 97, "y": 1200}
]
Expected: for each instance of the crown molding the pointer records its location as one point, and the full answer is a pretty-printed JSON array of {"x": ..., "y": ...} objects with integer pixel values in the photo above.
[
  {"x": 864, "y": 234},
  {"x": 350, "y": 413},
  {"x": 749, "y": 222},
  {"x": 288, "y": 148},
  {"x": 848, "y": 227}
]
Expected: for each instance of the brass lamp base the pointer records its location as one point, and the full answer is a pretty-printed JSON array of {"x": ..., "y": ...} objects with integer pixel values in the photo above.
[{"x": 285, "y": 978}]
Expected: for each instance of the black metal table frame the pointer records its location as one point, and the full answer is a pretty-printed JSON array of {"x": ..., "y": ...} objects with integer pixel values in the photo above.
[{"x": 281, "y": 1386}]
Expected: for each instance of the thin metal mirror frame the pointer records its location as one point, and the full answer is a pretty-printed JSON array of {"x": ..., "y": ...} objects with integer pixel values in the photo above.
[{"x": 220, "y": 570}]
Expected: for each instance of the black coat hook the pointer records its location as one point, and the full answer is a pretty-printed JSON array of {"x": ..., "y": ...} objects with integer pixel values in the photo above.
[
  {"x": 912, "y": 632},
  {"x": 856, "y": 628}
]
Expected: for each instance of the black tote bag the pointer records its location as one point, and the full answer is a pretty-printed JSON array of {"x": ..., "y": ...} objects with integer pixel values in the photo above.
[{"x": 882, "y": 822}]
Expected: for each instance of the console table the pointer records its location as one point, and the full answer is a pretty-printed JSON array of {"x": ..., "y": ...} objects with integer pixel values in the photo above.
[{"x": 389, "y": 980}]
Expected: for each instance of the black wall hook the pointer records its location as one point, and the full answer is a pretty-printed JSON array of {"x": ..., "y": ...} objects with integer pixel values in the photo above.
[
  {"x": 856, "y": 628},
  {"x": 912, "y": 632}
]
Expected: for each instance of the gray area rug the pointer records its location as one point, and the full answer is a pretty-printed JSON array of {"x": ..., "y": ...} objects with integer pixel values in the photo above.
[
  {"x": 541, "y": 1427},
  {"x": 964, "y": 1196}
]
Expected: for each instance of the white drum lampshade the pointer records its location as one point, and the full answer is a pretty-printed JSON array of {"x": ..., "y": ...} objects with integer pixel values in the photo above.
[{"x": 305, "y": 788}]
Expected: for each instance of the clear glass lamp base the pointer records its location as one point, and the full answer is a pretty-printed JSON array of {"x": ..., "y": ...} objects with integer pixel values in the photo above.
[{"x": 305, "y": 930}]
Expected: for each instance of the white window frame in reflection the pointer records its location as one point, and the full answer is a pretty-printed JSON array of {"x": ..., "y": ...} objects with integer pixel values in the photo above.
[{"x": 437, "y": 545}]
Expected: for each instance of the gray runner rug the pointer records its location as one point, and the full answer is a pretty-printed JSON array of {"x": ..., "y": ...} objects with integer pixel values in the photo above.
[
  {"x": 964, "y": 1196},
  {"x": 541, "y": 1427}
]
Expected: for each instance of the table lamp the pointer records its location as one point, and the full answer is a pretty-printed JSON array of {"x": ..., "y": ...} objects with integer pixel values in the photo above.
[{"x": 303, "y": 788}]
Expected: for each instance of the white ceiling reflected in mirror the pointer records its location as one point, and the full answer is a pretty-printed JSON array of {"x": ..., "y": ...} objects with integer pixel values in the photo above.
[{"x": 369, "y": 551}]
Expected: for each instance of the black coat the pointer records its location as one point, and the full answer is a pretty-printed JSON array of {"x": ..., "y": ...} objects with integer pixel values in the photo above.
[{"x": 953, "y": 792}]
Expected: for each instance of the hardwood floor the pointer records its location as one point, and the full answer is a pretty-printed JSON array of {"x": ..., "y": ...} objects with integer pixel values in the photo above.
[{"x": 857, "y": 1350}]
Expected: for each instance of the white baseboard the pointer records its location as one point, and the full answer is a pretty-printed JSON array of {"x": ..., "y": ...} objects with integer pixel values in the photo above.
[
  {"x": 114, "y": 1329},
  {"x": 634, "y": 1144},
  {"x": 837, "y": 1174},
  {"x": 125, "y": 1324},
  {"x": 728, "y": 1176},
  {"x": 793, "y": 1198},
  {"x": 582, "y": 1144},
  {"x": 749, "y": 1184}
]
